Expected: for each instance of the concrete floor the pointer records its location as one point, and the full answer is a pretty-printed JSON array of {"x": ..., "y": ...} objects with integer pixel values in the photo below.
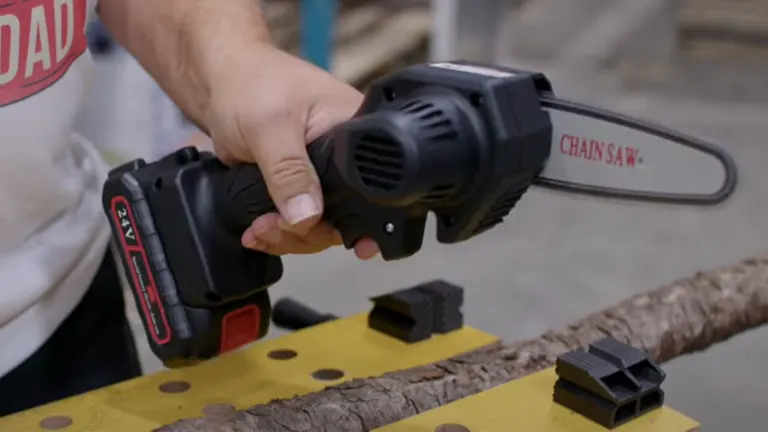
[{"x": 558, "y": 257}]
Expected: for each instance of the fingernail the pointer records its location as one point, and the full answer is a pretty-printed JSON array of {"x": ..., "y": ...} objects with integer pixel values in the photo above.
[
  {"x": 250, "y": 241},
  {"x": 267, "y": 234},
  {"x": 257, "y": 245},
  {"x": 258, "y": 226},
  {"x": 300, "y": 208}
]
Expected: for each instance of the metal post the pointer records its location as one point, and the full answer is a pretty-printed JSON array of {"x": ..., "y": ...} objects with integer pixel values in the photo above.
[
  {"x": 467, "y": 30},
  {"x": 318, "y": 19},
  {"x": 444, "y": 30}
]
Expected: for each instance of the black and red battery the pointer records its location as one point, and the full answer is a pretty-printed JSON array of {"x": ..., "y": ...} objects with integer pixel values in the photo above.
[{"x": 210, "y": 316}]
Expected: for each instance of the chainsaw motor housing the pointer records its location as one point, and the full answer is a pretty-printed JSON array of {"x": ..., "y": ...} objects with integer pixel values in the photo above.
[{"x": 462, "y": 141}]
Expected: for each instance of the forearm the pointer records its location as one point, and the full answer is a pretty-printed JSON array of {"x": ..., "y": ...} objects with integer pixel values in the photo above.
[{"x": 186, "y": 44}]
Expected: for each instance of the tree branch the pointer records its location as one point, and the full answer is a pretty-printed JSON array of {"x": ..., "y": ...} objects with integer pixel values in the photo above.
[{"x": 683, "y": 317}]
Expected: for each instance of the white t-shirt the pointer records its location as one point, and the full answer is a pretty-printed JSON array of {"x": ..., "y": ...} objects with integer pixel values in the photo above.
[{"x": 53, "y": 233}]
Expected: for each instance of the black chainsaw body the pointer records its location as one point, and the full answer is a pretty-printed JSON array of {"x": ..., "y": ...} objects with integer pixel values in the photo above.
[{"x": 464, "y": 142}]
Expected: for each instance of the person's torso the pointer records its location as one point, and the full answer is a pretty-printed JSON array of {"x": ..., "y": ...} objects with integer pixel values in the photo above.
[{"x": 50, "y": 177}]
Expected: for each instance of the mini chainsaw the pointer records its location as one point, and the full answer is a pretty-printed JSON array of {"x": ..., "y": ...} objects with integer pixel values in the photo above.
[{"x": 461, "y": 140}]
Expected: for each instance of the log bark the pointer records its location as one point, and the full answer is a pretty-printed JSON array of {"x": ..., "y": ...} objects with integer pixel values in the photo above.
[{"x": 680, "y": 318}]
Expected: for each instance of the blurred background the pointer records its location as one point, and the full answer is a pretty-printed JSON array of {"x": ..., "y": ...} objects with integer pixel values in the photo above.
[{"x": 699, "y": 66}]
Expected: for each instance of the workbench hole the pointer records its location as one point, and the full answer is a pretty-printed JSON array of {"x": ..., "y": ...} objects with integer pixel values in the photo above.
[
  {"x": 174, "y": 387},
  {"x": 282, "y": 354},
  {"x": 56, "y": 422},
  {"x": 219, "y": 410},
  {"x": 327, "y": 374},
  {"x": 452, "y": 427}
]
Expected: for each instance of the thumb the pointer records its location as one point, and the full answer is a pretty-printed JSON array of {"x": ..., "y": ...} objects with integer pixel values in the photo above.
[{"x": 291, "y": 180}]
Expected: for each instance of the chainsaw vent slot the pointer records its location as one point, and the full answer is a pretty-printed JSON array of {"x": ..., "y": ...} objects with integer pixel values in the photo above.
[
  {"x": 501, "y": 208},
  {"x": 432, "y": 122},
  {"x": 379, "y": 162}
]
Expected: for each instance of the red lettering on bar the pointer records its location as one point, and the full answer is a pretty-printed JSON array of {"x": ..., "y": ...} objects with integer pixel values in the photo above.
[{"x": 599, "y": 151}]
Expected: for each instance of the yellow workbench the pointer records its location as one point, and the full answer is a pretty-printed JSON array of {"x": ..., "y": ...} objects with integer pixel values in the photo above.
[
  {"x": 307, "y": 361},
  {"x": 525, "y": 405}
]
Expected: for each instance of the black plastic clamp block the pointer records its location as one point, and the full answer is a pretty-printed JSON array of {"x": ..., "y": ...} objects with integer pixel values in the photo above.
[
  {"x": 415, "y": 314},
  {"x": 611, "y": 383}
]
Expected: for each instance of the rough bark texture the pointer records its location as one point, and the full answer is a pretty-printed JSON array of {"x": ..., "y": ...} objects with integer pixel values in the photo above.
[{"x": 686, "y": 316}]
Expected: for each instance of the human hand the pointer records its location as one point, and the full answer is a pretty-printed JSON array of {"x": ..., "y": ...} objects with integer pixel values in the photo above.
[{"x": 265, "y": 112}]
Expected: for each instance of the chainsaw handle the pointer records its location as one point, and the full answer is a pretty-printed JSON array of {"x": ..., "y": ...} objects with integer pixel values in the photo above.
[
  {"x": 248, "y": 190},
  {"x": 348, "y": 211}
]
